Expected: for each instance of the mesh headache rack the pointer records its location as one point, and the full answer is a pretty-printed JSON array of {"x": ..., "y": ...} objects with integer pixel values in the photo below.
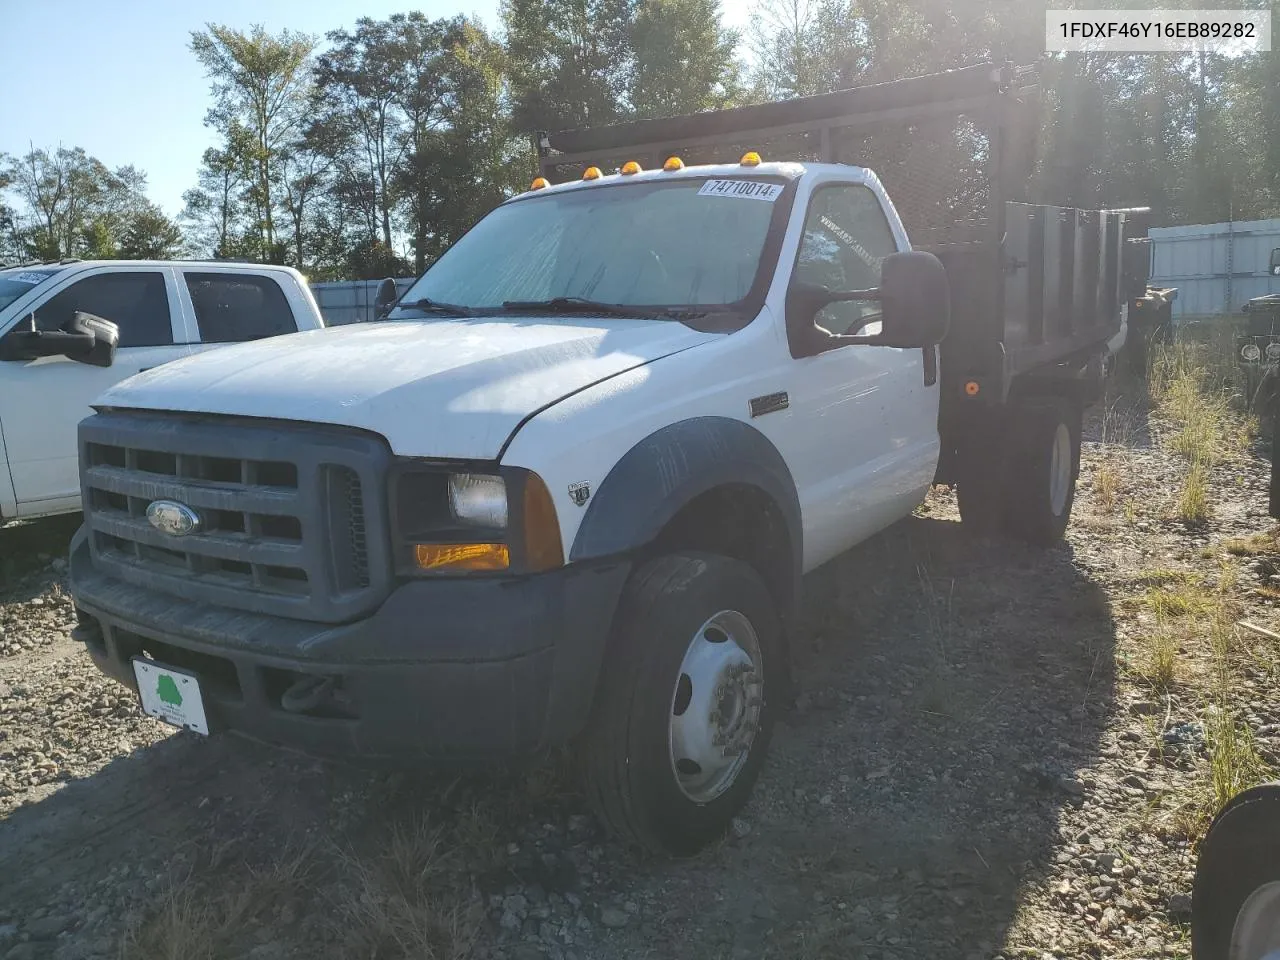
[{"x": 949, "y": 147}]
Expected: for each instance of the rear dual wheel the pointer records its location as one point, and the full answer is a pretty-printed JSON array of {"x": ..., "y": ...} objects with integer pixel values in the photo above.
[
  {"x": 1021, "y": 483},
  {"x": 685, "y": 709}
]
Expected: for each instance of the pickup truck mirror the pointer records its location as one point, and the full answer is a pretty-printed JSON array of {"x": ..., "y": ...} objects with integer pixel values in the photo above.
[
  {"x": 84, "y": 338},
  {"x": 915, "y": 307},
  {"x": 386, "y": 298}
]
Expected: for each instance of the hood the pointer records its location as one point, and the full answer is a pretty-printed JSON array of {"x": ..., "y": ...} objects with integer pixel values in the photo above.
[{"x": 436, "y": 388}]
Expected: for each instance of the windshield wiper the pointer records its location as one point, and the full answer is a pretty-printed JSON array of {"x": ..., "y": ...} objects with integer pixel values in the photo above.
[
  {"x": 427, "y": 305},
  {"x": 583, "y": 305}
]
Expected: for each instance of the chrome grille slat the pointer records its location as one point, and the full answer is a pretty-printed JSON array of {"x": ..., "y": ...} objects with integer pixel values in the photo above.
[
  {"x": 217, "y": 546},
  {"x": 209, "y": 494}
]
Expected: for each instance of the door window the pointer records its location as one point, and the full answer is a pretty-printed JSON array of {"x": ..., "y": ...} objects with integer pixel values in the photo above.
[
  {"x": 232, "y": 307},
  {"x": 1275, "y": 262},
  {"x": 136, "y": 302},
  {"x": 846, "y": 238}
]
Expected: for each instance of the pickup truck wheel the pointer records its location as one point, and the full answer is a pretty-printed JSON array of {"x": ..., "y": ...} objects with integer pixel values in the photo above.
[
  {"x": 683, "y": 714},
  {"x": 1043, "y": 463},
  {"x": 1236, "y": 896}
]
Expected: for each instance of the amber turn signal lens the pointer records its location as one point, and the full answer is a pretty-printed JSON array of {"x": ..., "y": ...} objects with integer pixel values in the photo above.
[
  {"x": 462, "y": 556},
  {"x": 539, "y": 183},
  {"x": 591, "y": 173},
  {"x": 673, "y": 164},
  {"x": 542, "y": 547}
]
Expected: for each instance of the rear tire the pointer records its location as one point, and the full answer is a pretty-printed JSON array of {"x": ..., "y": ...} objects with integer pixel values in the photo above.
[
  {"x": 674, "y": 689},
  {"x": 1237, "y": 885},
  {"x": 1041, "y": 470}
]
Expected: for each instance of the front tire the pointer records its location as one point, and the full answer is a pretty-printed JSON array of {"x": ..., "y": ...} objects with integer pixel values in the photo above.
[
  {"x": 1236, "y": 897},
  {"x": 685, "y": 707}
]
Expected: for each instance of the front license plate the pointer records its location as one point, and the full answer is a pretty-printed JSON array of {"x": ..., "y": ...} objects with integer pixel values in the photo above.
[{"x": 170, "y": 695}]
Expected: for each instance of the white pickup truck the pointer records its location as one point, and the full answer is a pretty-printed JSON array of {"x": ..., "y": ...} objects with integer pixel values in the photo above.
[
  {"x": 566, "y": 492},
  {"x": 163, "y": 311}
]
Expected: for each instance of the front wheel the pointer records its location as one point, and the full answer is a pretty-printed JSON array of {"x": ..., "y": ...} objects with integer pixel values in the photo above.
[
  {"x": 685, "y": 708},
  {"x": 1236, "y": 898}
]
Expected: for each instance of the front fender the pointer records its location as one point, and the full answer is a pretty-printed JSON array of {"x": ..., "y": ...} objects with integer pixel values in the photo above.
[{"x": 672, "y": 466}]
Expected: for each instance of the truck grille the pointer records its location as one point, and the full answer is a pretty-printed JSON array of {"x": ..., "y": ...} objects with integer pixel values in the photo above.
[{"x": 290, "y": 516}]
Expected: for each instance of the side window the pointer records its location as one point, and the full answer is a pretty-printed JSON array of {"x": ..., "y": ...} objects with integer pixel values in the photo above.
[
  {"x": 232, "y": 307},
  {"x": 135, "y": 302},
  {"x": 1275, "y": 262},
  {"x": 846, "y": 238}
]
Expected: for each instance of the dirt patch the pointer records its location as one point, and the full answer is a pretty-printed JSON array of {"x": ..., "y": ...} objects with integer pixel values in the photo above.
[{"x": 984, "y": 761}]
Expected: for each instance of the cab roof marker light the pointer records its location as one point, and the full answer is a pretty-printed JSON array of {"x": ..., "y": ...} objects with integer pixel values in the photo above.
[
  {"x": 630, "y": 168},
  {"x": 591, "y": 173},
  {"x": 673, "y": 164},
  {"x": 750, "y": 159},
  {"x": 539, "y": 183}
]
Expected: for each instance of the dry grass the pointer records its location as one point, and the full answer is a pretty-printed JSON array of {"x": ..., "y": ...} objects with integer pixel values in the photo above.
[
  {"x": 194, "y": 922},
  {"x": 413, "y": 900},
  {"x": 1193, "y": 507},
  {"x": 1106, "y": 486}
]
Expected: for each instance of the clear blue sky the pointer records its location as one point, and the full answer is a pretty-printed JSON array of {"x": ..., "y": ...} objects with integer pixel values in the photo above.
[{"x": 119, "y": 80}]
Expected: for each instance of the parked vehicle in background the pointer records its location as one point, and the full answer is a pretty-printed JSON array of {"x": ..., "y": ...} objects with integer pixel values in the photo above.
[
  {"x": 1236, "y": 897},
  {"x": 567, "y": 491},
  {"x": 164, "y": 311}
]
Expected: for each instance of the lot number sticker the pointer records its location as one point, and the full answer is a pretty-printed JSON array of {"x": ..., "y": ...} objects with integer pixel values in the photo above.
[{"x": 744, "y": 189}]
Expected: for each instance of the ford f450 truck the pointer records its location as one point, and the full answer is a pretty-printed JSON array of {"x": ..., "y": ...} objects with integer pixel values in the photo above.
[{"x": 566, "y": 492}]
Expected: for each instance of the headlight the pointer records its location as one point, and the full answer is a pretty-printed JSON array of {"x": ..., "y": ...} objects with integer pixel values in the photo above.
[
  {"x": 1250, "y": 352},
  {"x": 1273, "y": 351},
  {"x": 478, "y": 499},
  {"x": 448, "y": 522}
]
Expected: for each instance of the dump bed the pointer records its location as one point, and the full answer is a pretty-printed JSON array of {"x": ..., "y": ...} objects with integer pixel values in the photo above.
[{"x": 1032, "y": 284}]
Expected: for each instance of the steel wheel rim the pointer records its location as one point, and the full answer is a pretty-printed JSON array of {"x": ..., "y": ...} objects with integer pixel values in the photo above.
[
  {"x": 715, "y": 706},
  {"x": 1060, "y": 470},
  {"x": 1256, "y": 935}
]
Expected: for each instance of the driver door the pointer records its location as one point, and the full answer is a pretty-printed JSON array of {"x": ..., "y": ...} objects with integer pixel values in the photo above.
[
  {"x": 864, "y": 442},
  {"x": 42, "y": 401}
]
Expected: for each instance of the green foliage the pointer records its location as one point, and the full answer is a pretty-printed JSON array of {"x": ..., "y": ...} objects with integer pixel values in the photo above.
[
  {"x": 685, "y": 61},
  {"x": 72, "y": 204},
  {"x": 392, "y": 137}
]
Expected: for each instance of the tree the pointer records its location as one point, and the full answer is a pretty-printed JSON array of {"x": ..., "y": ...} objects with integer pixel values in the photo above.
[
  {"x": 571, "y": 61},
  {"x": 215, "y": 211},
  {"x": 72, "y": 203},
  {"x": 260, "y": 86},
  {"x": 150, "y": 235},
  {"x": 357, "y": 87},
  {"x": 685, "y": 61}
]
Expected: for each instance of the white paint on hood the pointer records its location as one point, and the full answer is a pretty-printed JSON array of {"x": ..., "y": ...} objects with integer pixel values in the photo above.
[{"x": 433, "y": 388}]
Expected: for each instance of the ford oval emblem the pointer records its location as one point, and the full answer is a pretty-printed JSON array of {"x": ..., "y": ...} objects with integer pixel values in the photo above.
[{"x": 173, "y": 518}]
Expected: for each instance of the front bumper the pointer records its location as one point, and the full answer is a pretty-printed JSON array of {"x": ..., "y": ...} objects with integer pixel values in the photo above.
[{"x": 463, "y": 669}]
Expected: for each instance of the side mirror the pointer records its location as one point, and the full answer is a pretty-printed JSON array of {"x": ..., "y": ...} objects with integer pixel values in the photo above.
[
  {"x": 915, "y": 306},
  {"x": 85, "y": 339},
  {"x": 386, "y": 298}
]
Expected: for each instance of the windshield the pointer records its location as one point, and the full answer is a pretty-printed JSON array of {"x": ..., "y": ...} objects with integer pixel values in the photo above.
[
  {"x": 681, "y": 243},
  {"x": 15, "y": 283}
]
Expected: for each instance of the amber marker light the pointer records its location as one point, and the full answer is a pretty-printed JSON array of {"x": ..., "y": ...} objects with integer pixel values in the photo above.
[
  {"x": 591, "y": 173},
  {"x": 750, "y": 159},
  {"x": 630, "y": 167},
  {"x": 972, "y": 389},
  {"x": 673, "y": 164},
  {"x": 539, "y": 183}
]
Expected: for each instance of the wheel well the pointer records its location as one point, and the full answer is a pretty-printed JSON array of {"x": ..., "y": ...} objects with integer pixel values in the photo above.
[{"x": 743, "y": 522}]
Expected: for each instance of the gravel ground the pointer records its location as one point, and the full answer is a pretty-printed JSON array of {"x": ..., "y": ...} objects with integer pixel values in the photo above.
[{"x": 977, "y": 766}]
